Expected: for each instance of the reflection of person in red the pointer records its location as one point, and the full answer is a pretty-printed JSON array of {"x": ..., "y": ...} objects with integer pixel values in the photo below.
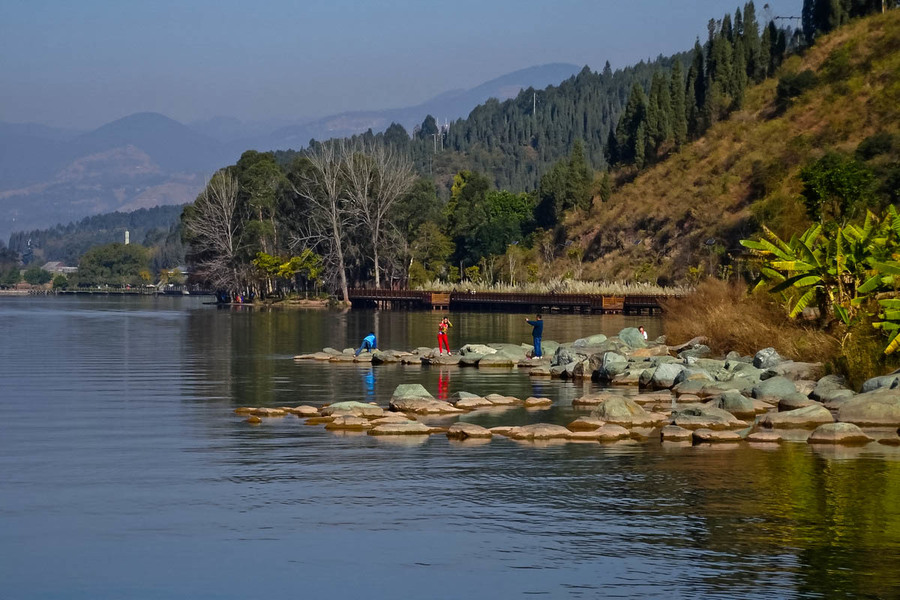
[
  {"x": 443, "y": 326},
  {"x": 443, "y": 385}
]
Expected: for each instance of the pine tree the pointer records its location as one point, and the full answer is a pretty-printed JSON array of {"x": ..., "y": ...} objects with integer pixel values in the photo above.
[
  {"x": 679, "y": 108},
  {"x": 756, "y": 67}
]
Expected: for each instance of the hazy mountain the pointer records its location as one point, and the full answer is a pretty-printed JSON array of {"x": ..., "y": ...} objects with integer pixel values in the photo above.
[
  {"x": 447, "y": 106},
  {"x": 50, "y": 175}
]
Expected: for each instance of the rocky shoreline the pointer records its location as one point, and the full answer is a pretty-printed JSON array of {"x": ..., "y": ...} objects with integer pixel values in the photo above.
[{"x": 683, "y": 395}]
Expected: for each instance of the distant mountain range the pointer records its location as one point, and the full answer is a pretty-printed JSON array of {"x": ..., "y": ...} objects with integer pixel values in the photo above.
[{"x": 50, "y": 175}]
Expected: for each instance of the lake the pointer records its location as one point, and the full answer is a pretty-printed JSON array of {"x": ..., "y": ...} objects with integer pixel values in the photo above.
[{"x": 124, "y": 473}]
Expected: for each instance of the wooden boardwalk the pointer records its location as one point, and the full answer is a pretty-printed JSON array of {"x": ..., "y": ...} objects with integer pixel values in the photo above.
[{"x": 506, "y": 302}]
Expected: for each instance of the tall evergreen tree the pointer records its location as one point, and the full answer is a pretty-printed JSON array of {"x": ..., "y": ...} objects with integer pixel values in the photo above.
[{"x": 679, "y": 107}]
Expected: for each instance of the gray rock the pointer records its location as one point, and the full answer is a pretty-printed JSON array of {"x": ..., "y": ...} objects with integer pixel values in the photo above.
[
  {"x": 800, "y": 418},
  {"x": 470, "y": 360},
  {"x": 838, "y": 433},
  {"x": 411, "y": 390},
  {"x": 774, "y": 389},
  {"x": 585, "y": 424},
  {"x": 423, "y": 406},
  {"x": 610, "y": 433},
  {"x": 708, "y": 417},
  {"x": 480, "y": 349},
  {"x": 735, "y": 403},
  {"x": 698, "y": 351},
  {"x": 765, "y": 437},
  {"x": 633, "y": 337},
  {"x": 591, "y": 340},
  {"x": 880, "y": 407},
  {"x": 621, "y": 411},
  {"x": 539, "y": 431},
  {"x": 350, "y": 423},
  {"x": 797, "y": 370},
  {"x": 408, "y": 428},
  {"x": 891, "y": 381},
  {"x": 662, "y": 377},
  {"x": 766, "y": 358},
  {"x": 736, "y": 356},
  {"x": 693, "y": 374},
  {"x": 607, "y": 365},
  {"x": 795, "y": 401},
  {"x": 497, "y": 360}
]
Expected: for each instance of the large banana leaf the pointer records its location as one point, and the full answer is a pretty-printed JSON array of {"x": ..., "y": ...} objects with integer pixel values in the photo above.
[{"x": 803, "y": 302}]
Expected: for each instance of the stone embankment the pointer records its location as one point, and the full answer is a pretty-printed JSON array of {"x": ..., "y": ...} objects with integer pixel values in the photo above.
[{"x": 673, "y": 393}]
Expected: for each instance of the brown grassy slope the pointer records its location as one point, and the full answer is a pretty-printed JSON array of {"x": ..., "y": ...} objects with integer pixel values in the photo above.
[{"x": 744, "y": 171}]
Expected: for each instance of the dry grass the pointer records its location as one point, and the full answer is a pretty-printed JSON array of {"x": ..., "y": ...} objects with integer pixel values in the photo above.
[
  {"x": 561, "y": 286},
  {"x": 734, "y": 320}
]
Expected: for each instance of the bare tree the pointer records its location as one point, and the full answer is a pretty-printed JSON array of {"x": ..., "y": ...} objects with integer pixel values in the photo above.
[
  {"x": 213, "y": 225},
  {"x": 377, "y": 177},
  {"x": 321, "y": 185}
]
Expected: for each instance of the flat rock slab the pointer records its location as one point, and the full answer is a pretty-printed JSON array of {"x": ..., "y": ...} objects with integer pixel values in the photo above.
[
  {"x": 462, "y": 431},
  {"x": 357, "y": 409},
  {"x": 595, "y": 399},
  {"x": 268, "y": 412},
  {"x": 621, "y": 411},
  {"x": 472, "y": 403},
  {"x": 314, "y": 356},
  {"x": 349, "y": 422},
  {"x": 391, "y": 418},
  {"x": 839, "y": 433},
  {"x": 501, "y": 400},
  {"x": 533, "y": 402},
  {"x": 496, "y": 361},
  {"x": 765, "y": 437},
  {"x": 540, "y": 371},
  {"x": 585, "y": 424},
  {"x": 703, "y": 436},
  {"x": 674, "y": 433},
  {"x": 409, "y": 428},
  {"x": 411, "y": 390},
  {"x": 539, "y": 431},
  {"x": 808, "y": 417},
  {"x": 304, "y": 410},
  {"x": 607, "y": 433}
]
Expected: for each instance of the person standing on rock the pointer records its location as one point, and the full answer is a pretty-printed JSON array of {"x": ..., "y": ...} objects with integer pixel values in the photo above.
[
  {"x": 643, "y": 333},
  {"x": 536, "y": 333},
  {"x": 368, "y": 343},
  {"x": 443, "y": 326}
]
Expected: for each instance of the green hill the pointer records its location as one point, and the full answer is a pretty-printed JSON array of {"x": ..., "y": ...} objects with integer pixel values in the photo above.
[{"x": 683, "y": 217}]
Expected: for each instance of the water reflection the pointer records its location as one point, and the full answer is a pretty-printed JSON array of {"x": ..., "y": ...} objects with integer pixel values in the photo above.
[{"x": 119, "y": 447}]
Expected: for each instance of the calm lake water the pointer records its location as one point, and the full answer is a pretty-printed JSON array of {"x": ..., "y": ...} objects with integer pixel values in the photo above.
[{"x": 125, "y": 474}]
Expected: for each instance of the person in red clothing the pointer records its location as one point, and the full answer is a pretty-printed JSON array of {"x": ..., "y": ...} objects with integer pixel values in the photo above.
[{"x": 443, "y": 326}]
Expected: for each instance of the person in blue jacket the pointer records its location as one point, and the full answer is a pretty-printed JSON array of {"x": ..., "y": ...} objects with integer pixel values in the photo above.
[
  {"x": 368, "y": 343},
  {"x": 536, "y": 333}
]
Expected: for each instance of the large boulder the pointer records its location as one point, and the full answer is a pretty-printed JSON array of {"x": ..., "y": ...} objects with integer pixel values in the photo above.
[
  {"x": 796, "y": 370},
  {"x": 622, "y": 411},
  {"x": 513, "y": 352},
  {"x": 349, "y": 423},
  {"x": 735, "y": 403},
  {"x": 766, "y": 358},
  {"x": 800, "y": 418},
  {"x": 697, "y": 351},
  {"x": 795, "y": 401},
  {"x": 674, "y": 433},
  {"x": 461, "y": 431},
  {"x": 633, "y": 337},
  {"x": 891, "y": 381},
  {"x": 410, "y": 390},
  {"x": 607, "y": 365},
  {"x": 838, "y": 433},
  {"x": 591, "y": 340},
  {"x": 706, "y": 417},
  {"x": 585, "y": 424},
  {"x": 774, "y": 389},
  {"x": 880, "y": 408},
  {"x": 497, "y": 360},
  {"x": 662, "y": 377}
]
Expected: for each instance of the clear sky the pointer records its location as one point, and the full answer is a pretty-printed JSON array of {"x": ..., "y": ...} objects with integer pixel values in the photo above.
[{"x": 86, "y": 62}]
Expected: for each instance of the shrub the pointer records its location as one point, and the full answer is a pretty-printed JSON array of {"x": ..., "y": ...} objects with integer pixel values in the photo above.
[
  {"x": 793, "y": 85},
  {"x": 732, "y": 319}
]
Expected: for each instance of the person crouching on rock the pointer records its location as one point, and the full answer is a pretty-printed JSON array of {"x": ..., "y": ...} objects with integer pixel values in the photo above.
[
  {"x": 368, "y": 343},
  {"x": 443, "y": 326}
]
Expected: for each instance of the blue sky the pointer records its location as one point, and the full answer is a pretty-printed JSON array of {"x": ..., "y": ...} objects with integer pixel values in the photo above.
[{"x": 81, "y": 64}]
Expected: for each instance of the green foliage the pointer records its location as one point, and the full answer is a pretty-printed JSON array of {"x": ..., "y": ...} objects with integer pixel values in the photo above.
[
  {"x": 10, "y": 277},
  {"x": 37, "y": 276},
  {"x": 567, "y": 185},
  {"x": 60, "y": 282},
  {"x": 113, "y": 264},
  {"x": 836, "y": 188},
  {"x": 793, "y": 85}
]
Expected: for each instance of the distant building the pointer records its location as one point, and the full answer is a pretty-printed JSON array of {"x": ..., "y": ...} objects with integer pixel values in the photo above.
[{"x": 56, "y": 267}]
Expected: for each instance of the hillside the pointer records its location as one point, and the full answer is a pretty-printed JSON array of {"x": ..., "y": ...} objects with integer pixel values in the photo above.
[{"x": 685, "y": 215}]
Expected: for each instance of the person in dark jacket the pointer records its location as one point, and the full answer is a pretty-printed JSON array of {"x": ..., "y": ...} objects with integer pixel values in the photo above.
[
  {"x": 368, "y": 343},
  {"x": 537, "y": 332}
]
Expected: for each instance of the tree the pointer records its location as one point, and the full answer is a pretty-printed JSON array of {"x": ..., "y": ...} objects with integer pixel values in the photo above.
[
  {"x": 213, "y": 229},
  {"x": 113, "y": 264},
  {"x": 377, "y": 178},
  {"x": 318, "y": 179},
  {"x": 37, "y": 276},
  {"x": 836, "y": 187}
]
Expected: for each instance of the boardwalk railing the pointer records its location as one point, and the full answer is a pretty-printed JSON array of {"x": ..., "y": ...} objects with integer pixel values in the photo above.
[{"x": 586, "y": 303}]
